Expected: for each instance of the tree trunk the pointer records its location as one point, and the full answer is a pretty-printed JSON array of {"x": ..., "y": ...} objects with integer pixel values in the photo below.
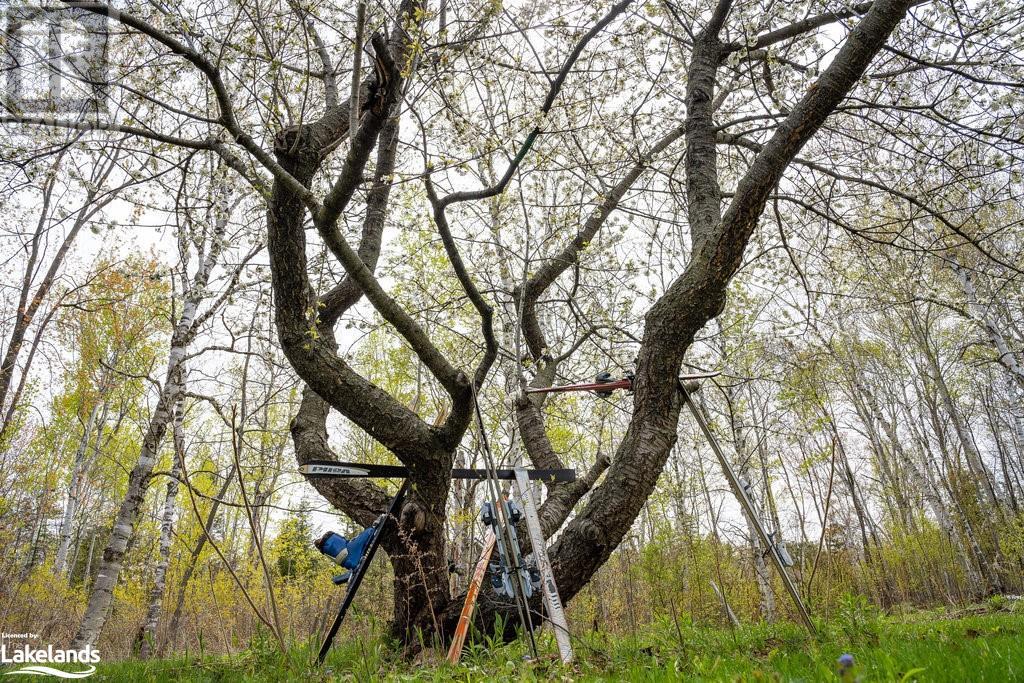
[
  {"x": 698, "y": 294},
  {"x": 195, "y": 291},
  {"x": 193, "y": 561},
  {"x": 127, "y": 517},
  {"x": 986, "y": 492},
  {"x": 78, "y": 468},
  {"x": 146, "y": 637},
  {"x": 893, "y": 487},
  {"x": 29, "y": 301},
  {"x": 991, "y": 579}
]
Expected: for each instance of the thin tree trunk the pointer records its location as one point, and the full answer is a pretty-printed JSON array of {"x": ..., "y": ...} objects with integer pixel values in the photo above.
[
  {"x": 1004, "y": 464},
  {"x": 138, "y": 481},
  {"x": 101, "y": 596},
  {"x": 193, "y": 561},
  {"x": 990, "y": 578},
  {"x": 28, "y": 306},
  {"x": 87, "y": 574},
  {"x": 147, "y": 633},
  {"x": 866, "y": 407},
  {"x": 982, "y": 315},
  {"x": 742, "y": 468},
  {"x": 986, "y": 492},
  {"x": 74, "y": 491}
]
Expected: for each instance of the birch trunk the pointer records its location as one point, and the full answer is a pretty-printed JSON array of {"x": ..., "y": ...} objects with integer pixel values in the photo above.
[
  {"x": 986, "y": 492},
  {"x": 147, "y": 633},
  {"x": 983, "y": 316},
  {"x": 74, "y": 490},
  {"x": 128, "y": 514},
  {"x": 193, "y": 561},
  {"x": 932, "y": 494},
  {"x": 138, "y": 481},
  {"x": 991, "y": 579}
]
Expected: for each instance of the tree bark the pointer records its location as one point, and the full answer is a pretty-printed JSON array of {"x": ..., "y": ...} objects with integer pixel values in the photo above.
[
  {"x": 980, "y": 472},
  {"x": 184, "y": 331},
  {"x": 146, "y": 638},
  {"x": 193, "y": 561},
  {"x": 127, "y": 517},
  {"x": 78, "y": 468},
  {"x": 699, "y": 293}
]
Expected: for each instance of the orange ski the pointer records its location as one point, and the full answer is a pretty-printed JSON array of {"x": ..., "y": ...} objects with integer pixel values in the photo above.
[{"x": 455, "y": 651}]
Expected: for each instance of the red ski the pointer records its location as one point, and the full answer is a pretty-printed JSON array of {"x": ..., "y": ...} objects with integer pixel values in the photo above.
[{"x": 466, "y": 617}]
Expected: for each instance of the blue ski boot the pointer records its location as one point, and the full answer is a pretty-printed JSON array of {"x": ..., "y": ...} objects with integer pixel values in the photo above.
[{"x": 347, "y": 553}]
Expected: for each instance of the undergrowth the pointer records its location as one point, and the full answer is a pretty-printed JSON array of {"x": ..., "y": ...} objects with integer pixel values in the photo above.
[{"x": 981, "y": 643}]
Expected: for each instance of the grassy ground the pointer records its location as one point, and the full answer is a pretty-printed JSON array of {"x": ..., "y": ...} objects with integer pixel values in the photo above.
[{"x": 982, "y": 644}]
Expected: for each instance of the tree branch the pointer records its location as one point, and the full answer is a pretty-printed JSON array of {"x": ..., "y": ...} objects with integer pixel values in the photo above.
[{"x": 797, "y": 29}]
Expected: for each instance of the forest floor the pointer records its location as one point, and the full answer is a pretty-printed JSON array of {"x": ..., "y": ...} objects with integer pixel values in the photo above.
[{"x": 981, "y": 643}]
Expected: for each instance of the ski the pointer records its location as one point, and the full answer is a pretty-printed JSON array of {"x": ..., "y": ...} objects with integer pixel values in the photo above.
[
  {"x": 330, "y": 468},
  {"x": 552, "y": 601},
  {"x": 466, "y": 616},
  {"x": 509, "y": 572},
  {"x": 600, "y": 387},
  {"x": 360, "y": 570},
  {"x": 608, "y": 387}
]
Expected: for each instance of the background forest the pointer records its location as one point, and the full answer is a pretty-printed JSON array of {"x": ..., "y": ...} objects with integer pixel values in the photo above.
[{"x": 871, "y": 343}]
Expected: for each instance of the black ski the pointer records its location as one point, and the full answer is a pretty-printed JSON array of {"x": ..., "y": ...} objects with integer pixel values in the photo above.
[
  {"x": 364, "y": 562},
  {"x": 331, "y": 468}
]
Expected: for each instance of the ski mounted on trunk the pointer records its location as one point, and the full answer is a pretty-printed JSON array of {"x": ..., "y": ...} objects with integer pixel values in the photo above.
[
  {"x": 331, "y": 468},
  {"x": 604, "y": 384}
]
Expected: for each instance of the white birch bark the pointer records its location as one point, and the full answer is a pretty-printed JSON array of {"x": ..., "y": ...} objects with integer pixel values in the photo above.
[
  {"x": 986, "y": 492},
  {"x": 138, "y": 481},
  {"x": 74, "y": 491},
  {"x": 983, "y": 316},
  {"x": 147, "y": 634}
]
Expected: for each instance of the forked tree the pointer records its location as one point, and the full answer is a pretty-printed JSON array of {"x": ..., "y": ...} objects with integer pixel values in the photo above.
[{"x": 308, "y": 151}]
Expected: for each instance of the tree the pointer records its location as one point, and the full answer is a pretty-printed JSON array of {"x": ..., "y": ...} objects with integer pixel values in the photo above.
[
  {"x": 205, "y": 237},
  {"x": 301, "y": 165}
]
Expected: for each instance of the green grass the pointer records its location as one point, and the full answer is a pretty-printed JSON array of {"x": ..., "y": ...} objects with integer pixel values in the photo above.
[{"x": 933, "y": 646}]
